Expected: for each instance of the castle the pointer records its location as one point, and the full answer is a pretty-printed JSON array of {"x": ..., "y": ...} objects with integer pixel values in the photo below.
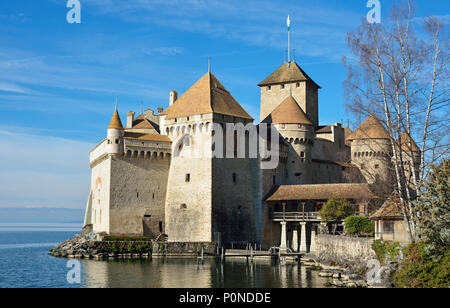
[{"x": 145, "y": 182}]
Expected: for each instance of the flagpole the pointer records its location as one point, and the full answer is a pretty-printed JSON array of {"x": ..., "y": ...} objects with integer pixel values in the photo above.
[
  {"x": 288, "y": 22},
  {"x": 289, "y": 45}
]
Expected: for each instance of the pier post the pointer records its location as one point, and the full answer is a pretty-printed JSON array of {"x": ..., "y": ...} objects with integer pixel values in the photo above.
[
  {"x": 312, "y": 247},
  {"x": 303, "y": 247},
  {"x": 295, "y": 240},
  {"x": 283, "y": 245}
]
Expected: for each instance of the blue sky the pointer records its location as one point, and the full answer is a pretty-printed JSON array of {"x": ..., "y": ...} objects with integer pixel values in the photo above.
[{"x": 58, "y": 81}]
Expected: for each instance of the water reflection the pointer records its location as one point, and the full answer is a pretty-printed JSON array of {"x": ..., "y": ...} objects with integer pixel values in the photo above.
[{"x": 186, "y": 273}]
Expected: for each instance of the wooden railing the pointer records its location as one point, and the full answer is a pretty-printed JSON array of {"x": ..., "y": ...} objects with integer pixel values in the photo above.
[{"x": 296, "y": 216}]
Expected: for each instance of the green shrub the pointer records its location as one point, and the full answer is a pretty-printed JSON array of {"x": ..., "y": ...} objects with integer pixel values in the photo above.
[
  {"x": 358, "y": 225},
  {"x": 126, "y": 239},
  {"x": 335, "y": 210},
  {"x": 386, "y": 248},
  {"x": 420, "y": 269}
]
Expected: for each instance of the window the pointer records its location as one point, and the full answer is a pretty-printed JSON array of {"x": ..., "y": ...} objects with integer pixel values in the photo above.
[
  {"x": 187, "y": 118},
  {"x": 299, "y": 126},
  {"x": 187, "y": 177},
  {"x": 117, "y": 141},
  {"x": 161, "y": 226},
  {"x": 298, "y": 174},
  {"x": 234, "y": 177},
  {"x": 282, "y": 86},
  {"x": 362, "y": 166},
  {"x": 137, "y": 195},
  {"x": 269, "y": 88},
  {"x": 377, "y": 166},
  {"x": 147, "y": 216},
  {"x": 283, "y": 126},
  {"x": 388, "y": 226},
  {"x": 298, "y": 84},
  {"x": 274, "y": 180},
  {"x": 183, "y": 206}
]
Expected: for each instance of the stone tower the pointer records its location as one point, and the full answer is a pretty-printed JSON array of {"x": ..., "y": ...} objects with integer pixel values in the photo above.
[
  {"x": 290, "y": 80},
  {"x": 209, "y": 197},
  {"x": 298, "y": 131},
  {"x": 371, "y": 151}
]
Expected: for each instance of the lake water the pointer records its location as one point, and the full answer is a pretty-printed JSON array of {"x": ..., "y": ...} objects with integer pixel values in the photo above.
[{"x": 24, "y": 262}]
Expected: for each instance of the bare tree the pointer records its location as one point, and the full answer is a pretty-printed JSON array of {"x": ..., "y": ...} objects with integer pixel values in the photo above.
[{"x": 401, "y": 76}]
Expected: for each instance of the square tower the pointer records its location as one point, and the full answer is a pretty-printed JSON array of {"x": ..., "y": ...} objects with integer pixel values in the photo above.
[{"x": 290, "y": 80}]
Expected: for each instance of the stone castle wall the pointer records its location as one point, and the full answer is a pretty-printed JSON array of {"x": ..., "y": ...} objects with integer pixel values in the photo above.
[
  {"x": 343, "y": 250},
  {"x": 100, "y": 188},
  {"x": 138, "y": 189}
]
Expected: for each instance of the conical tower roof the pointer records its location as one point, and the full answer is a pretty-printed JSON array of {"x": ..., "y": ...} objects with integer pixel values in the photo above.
[
  {"x": 407, "y": 143},
  {"x": 115, "y": 121},
  {"x": 371, "y": 128},
  {"x": 287, "y": 73},
  {"x": 288, "y": 112},
  {"x": 207, "y": 95}
]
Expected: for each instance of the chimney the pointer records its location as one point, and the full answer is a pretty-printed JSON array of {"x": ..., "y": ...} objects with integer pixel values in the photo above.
[
  {"x": 173, "y": 97},
  {"x": 130, "y": 119}
]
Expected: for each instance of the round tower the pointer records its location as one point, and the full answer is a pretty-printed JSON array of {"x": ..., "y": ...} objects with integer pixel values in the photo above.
[
  {"x": 115, "y": 145},
  {"x": 296, "y": 129},
  {"x": 371, "y": 150}
]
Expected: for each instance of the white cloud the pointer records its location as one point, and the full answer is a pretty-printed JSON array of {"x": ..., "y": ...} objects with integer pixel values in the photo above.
[
  {"x": 43, "y": 171},
  {"x": 9, "y": 87}
]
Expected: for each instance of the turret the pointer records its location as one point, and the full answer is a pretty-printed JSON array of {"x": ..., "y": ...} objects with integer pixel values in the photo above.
[
  {"x": 371, "y": 150},
  {"x": 295, "y": 127},
  {"x": 115, "y": 144}
]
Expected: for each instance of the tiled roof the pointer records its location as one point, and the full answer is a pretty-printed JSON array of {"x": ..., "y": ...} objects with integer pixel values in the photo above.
[
  {"x": 371, "y": 128},
  {"x": 324, "y": 130},
  {"x": 115, "y": 121},
  {"x": 147, "y": 137},
  {"x": 207, "y": 95},
  {"x": 391, "y": 209},
  {"x": 288, "y": 112},
  {"x": 142, "y": 122},
  {"x": 321, "y": 192},
  {"x": 287, "y": 73},
  {"x": 408, "y": 143}
]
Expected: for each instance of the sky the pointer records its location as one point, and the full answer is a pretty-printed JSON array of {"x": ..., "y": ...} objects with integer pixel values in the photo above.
[{"x": 58, "y": 81}]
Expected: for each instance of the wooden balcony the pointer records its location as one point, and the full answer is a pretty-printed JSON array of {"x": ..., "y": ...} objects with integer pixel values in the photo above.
[{"x": 296, "y": 216}]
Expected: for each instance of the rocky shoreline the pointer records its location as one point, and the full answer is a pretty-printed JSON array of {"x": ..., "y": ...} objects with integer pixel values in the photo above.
[
  {"x": 345, "y": 276},
  {"x": 82, "y": 248}
]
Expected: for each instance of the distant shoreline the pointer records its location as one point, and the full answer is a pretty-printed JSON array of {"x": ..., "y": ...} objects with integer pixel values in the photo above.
[{"x": 41, "y": 227}]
